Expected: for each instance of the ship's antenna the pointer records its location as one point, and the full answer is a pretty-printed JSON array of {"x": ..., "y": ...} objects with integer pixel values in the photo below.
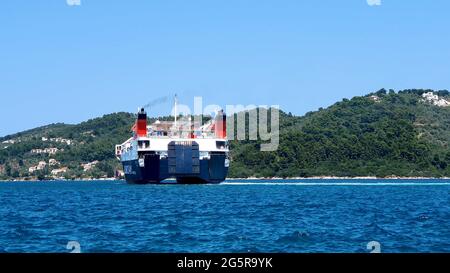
[{"x": 175, "y": 110}]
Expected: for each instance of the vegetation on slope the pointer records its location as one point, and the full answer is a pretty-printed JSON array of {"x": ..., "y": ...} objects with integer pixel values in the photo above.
[{"x": 382, "y": 134}]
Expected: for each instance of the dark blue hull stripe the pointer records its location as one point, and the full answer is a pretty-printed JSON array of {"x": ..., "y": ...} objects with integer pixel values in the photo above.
[{"x": 156, "y": 170}]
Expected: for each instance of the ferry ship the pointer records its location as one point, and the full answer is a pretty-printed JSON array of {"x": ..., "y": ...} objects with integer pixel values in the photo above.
[{"x": 183, "y": 151}]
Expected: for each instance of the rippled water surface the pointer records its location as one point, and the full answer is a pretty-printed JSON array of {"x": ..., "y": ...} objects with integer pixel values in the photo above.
[{"x": 237, "y": 216}]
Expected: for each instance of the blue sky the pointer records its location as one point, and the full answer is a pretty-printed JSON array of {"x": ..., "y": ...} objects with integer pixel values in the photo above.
[{"x": 61, "y": 63}]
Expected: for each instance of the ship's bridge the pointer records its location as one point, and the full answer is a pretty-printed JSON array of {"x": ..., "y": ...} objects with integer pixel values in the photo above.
[{"x": 156, "y": 138}]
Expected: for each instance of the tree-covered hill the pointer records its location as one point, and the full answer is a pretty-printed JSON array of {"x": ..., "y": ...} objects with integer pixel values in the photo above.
[
  {"x": 93, "y": 140},
  {"x": 382, "y": 134}
]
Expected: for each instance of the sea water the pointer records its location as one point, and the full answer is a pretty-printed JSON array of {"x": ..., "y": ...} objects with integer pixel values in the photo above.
[{"x": 239, "y": 216}]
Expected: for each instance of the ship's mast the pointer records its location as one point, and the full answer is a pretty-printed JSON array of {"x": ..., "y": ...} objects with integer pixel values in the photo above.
[{"x": 176, "y": 111}]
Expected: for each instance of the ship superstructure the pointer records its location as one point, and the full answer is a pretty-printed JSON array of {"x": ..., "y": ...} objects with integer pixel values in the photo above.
[{"x": 188, "y": 152}]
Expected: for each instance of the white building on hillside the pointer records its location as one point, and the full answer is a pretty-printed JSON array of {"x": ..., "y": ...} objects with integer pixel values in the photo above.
[
  {"x": 41, "y": 165},
  {"x": 434, "y": 99},
  {"x": 59, "y": 171}
]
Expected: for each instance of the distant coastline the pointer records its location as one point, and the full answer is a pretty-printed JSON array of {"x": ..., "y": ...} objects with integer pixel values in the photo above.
[
  {"x": 382, "y": 135},
  {"x": 343, "y": 178},
  {"x": 253, "y": 179}
]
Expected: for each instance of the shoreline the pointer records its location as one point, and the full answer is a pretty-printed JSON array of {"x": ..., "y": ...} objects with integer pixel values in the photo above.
[
  {"x": 345, "y": 178},
  {"x": 251, "y": 179}
]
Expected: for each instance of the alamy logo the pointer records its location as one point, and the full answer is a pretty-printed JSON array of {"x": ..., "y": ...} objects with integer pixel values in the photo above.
[
  {"x": 249, "y": 122},
  {"x": 374, "y": 2},
  {"x": 374, "y": 247},
  {"x": 73, "y": 2},
  {"x": 74, "y": 247}
]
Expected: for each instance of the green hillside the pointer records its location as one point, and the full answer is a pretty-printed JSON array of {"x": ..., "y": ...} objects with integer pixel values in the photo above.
[{"x": 382, "y": 134}]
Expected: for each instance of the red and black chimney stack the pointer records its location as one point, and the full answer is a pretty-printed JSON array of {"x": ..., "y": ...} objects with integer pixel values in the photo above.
[
  {"x": 141, "y": 124},
  {"x": 221, "y": 125}
]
